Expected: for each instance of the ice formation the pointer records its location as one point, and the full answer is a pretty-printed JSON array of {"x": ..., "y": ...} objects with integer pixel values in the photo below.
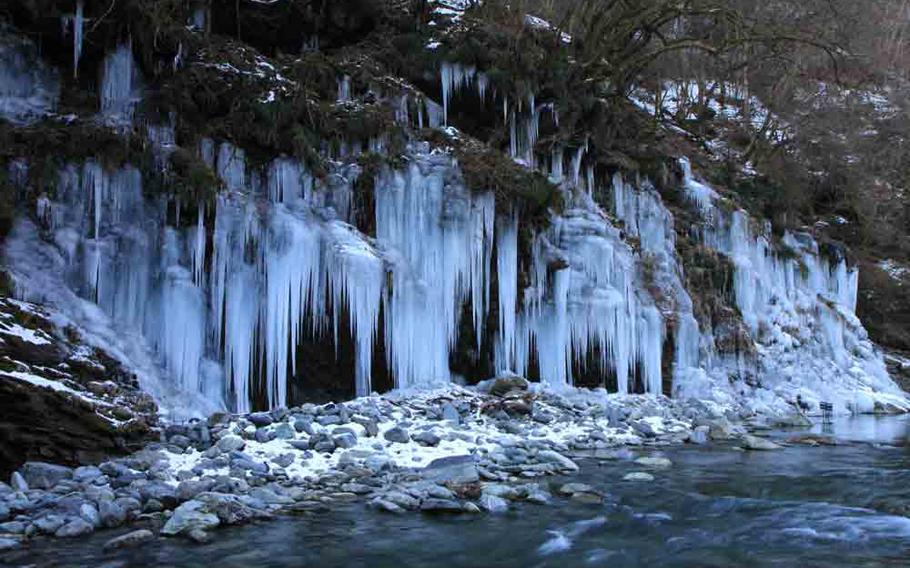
[
  {"x": 29, "y": 89},
  {"x": 218, "y": 300},
  {"x": 120, "y": 84}
]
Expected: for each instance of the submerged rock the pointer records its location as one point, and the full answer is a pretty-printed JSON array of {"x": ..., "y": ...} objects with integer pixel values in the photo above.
[
  {"x": 750, "y": 442},
  {"x": 129, "y": 539}
]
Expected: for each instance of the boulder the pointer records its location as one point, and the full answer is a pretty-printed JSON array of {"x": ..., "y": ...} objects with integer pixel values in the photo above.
[
  {"x": 40, "y": 475},
  {"x": 750, "y": 442},
  {"x": 231, "y": 444},
  {"x": 638, "y": 476},
  {"x": 426, "y": 439},
  {"x": 457, "y": 470},
  {"x": 493, "y": 504},
  {"x": 397, "y": 435},
  {"x": 190, "y": 516},
  {"x": 74, "y": 528},
  {"x": 440, "y": 506},
  {"x": 501, "y": 386}
]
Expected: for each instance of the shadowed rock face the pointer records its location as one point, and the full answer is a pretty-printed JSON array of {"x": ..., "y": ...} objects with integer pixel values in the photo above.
[
  {"x": 60, "y": 402},
  {"x": 291, "y": 25},
  {"x": 42, "y": 424}
]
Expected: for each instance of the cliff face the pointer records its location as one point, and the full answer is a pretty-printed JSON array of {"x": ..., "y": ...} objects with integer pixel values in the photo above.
[{"x": 254, "y": 204}]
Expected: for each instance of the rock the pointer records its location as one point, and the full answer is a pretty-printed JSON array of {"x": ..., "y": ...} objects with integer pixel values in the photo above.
[
  {"x": 40, "y": 475},
  {"x": 86, "y": 474},
  {"x": 161, "y": 492},
  {"x": 250, "y": 465},
  {"x": 186, "y": 490},
  {"x": 263, "y": 436},
  {"x": 49, "y": 524},
  {"x": 644, "y": 428},
  {"x": 378, "y": 463},
  {"x": 426, "y": 439},
  {"x": 370, "y": 425},
  {"x": 638, "y": 476},
  {"x": 18, "y": 482},
  {"x": 654, "y": 462},
  {"x": 457, "y": 470},
  {"x": 720, "y": 430},
  {"x": 260, "y": 419},
  {"x": 560, "y": 460},
  {"x": 190, "y": 516},
  {"x": 792, "y": 421},
  {"x": 112, "y": 514},
  {"x": 345, "y": 440},
  {"x": 330, "y": 420},
  {"x": 129, "y": 539},
  {"x": 230, "y": 509},
  {"x": 181, "y": 441},
  {"x": 402, "y": 500},
  {"x": 440, "y": 506},
  {"x": 500, "y": 386},
  {"x": 698, "y": 436},
  {"x": 89, "y": 514},
  {"x": 493, "y": 504},
  {"x": 538, "y": 496},
  {"x": 270, "y": 497},
  {"x": 285, "y": 431},
  {"x": 284, "y": 460},
  {"x": 74, "y": 528},
  {"x": 386, "y": 506},
  {"x": 812, "y": 440},
  {"x": 450, "y": 413},
  {"x": 517, "y": 406},
  {"x": 573, "y": 488},
  {"x": 750, "y": 442},
  {"x": 301, "y": 445},
  {"x": 9, "y": 543},
  {"x": 397, "y": 435},
  {"x": 231, "y": 443},
  {"x": 587, "y": 498},
  {"x": 304, "y": 425}
]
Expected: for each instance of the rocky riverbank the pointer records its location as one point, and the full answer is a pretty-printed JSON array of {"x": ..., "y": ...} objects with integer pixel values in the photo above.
[{"x": 451, "y": 451}]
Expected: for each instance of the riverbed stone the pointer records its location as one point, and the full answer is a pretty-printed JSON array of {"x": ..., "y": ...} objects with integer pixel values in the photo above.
[
  {"x": 751, "y": 442},
  {"x": 426, "y": 438},
  {"x": 18, "y": 482},
  {"x": 129, "y": 539},
  {"x": 457, "y": 470},
  {"x": 493, "y": 504},
  {"x": 260, "y": 419},
  {"x": 434, "y": 505},
  {"x": 650, "y": 461},
  {"x": 190, "y": 516},
  {"x": 40, "y": 475},
  {"x": 397, "y": 435},
  {"x": 638, "y": 476},
  {"x": 74, "y": 528},
  {"x": 231, "y": 443}
]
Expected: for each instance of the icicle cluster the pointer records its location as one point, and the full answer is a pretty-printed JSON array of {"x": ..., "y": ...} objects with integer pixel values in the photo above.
[{"x": 120, "y": 85}]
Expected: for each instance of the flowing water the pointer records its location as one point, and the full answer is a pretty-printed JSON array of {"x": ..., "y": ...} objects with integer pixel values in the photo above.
[{"x": 801, "y": 506}]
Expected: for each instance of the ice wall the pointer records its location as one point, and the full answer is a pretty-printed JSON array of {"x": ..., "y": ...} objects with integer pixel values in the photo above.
[{"x": 799, "y": 308}]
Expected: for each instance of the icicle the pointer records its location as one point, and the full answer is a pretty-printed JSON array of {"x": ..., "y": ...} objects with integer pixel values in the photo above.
[
  {"x": 199, "y": 250},
  {"x": 78, "y": 25},
  {"x": 507, "y": 272}
]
